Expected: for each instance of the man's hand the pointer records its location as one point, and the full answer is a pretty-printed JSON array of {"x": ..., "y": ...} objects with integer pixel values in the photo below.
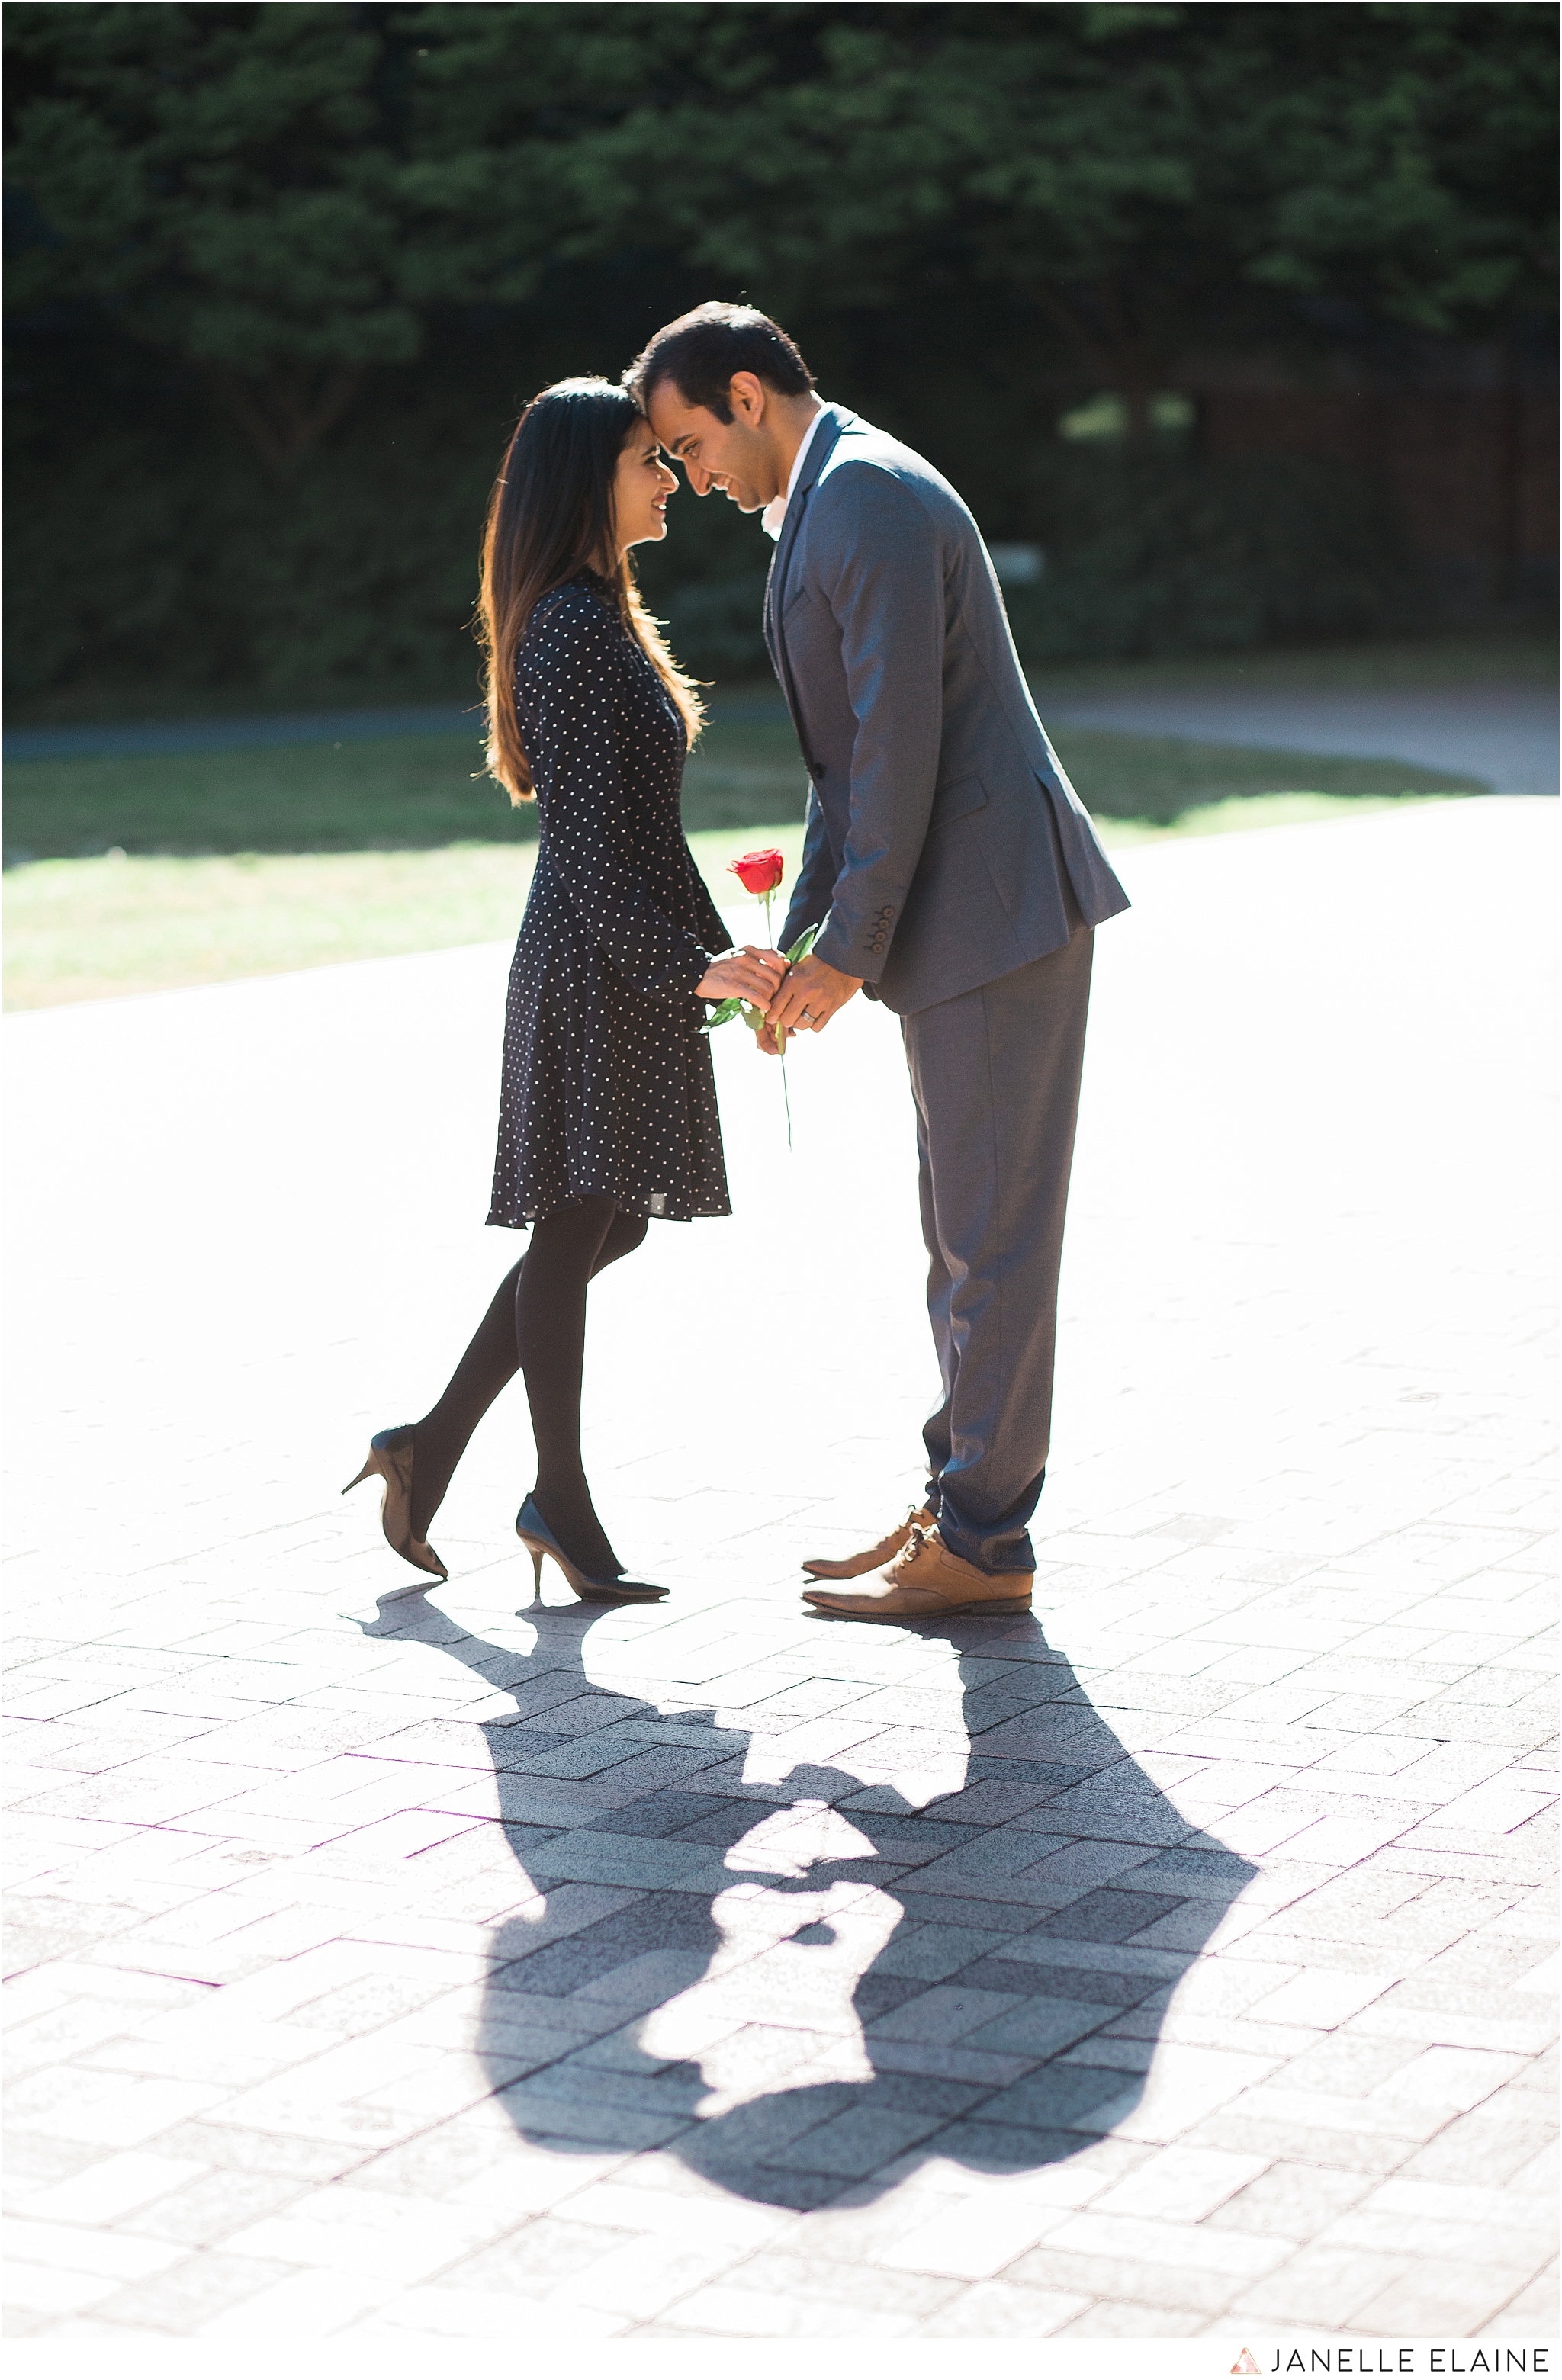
[{"x": 807, "y": 998}]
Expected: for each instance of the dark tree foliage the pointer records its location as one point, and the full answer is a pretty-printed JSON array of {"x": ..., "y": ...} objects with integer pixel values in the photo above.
[{"x": 304, "y": 219}]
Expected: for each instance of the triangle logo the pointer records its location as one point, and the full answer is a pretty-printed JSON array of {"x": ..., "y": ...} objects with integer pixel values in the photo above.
[{"x": 1245, "y": 2361}]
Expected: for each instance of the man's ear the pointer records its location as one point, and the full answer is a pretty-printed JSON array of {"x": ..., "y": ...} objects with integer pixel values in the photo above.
[{"x": 746, "y": 394}]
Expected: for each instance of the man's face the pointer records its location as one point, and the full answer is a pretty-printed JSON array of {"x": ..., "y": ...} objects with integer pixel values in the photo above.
[{"x": 735, "y": 456}]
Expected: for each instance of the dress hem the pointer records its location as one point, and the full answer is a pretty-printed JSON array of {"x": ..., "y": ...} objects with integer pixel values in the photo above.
[{"x": 654, "y": 1213}]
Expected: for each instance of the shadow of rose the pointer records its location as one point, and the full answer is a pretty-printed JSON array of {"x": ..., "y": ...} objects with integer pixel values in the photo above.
[{"x": 959, "y": 1943}]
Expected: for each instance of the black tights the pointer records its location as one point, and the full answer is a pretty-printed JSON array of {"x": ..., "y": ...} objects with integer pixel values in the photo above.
[{"x": 536, "y": 1325}]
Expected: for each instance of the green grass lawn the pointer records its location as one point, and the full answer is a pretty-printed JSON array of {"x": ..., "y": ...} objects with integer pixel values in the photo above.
[
  {"x": 421, "y": 793},
  {"x": 143, "y": 873}
]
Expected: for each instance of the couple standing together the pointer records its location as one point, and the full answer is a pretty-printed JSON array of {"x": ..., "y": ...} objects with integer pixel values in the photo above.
[{"x": 949, "y": 866}]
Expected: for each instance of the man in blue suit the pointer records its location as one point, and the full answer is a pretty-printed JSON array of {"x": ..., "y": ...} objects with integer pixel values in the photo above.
[{"x": 953, "y": 874}]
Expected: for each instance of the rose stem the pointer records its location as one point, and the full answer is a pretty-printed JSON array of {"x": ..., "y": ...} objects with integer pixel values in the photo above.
[{"x": 780, "y": 1037}]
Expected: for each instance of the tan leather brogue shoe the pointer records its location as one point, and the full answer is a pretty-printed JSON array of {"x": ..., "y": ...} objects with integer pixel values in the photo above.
[
  {"x": 918, "y": 1517},
  {"x": 926, "y": 1581}
]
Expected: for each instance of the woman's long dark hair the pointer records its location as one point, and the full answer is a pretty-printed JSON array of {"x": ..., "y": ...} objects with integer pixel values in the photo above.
[{"x": 550, "y": 514}]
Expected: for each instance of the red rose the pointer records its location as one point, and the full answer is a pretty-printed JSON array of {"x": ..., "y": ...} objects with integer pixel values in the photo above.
[{"x": 758, "y": 871}]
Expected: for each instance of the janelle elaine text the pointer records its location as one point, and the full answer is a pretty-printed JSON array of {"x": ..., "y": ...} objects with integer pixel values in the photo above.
[{"x": 1443, "y": 2361}]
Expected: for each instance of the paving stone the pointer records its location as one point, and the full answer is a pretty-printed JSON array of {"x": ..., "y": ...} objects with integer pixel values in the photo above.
[
  {"x": 1531, "y": 2314},
  {"x": 1479, "y": 2150},
  {"x": 104, "y": 2110},
  {"x": 537, "y": 2258},
  {"x": 110, "y": 2186},
  {"x": 1183, "y": 2185},
  {"x": 976, "y": 2241},
  {"x": 796, "y": 2280},
  {"x": 212, "y": 2207},
  {"x": 999, "y": 2310},
  {"x": 239, "y": 2151},
  {"x": 1126, "y": 2320},
  {"x": 191, "y": 2293},
  {"x": 76, "y": 2248},
  {"x": 1344, "y": 2279},
  {"x": 1293, "y": 2200},
  {"x": 35, "y": 2161},
  {"x": 301, "y": 2305},
  {"x": 344, "y": 2230},
  {"x": 1438, "y": 2300},
  {"x": 477, "y": 2313},
  {"x": 1169, "y": 2290},
  {"x": 1455, "y": 2080},
  {"x": 44, "y": 2295},
  {"x": 727, "y": 2312}
]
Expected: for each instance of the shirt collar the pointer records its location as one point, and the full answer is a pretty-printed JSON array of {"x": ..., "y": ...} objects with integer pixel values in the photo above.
[{"x": 775, "y": 512}]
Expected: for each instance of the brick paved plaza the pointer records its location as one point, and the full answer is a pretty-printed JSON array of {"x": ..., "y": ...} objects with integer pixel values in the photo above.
[{"x": 1176, "y": 1962}]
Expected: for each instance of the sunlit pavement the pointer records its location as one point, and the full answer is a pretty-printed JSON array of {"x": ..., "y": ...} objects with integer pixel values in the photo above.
[
  {"x": 1178, "y": 1960},
  {"x": 1504, "y": 735}
]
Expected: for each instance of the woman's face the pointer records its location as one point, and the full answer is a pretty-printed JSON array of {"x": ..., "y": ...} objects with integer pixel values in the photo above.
[{"x": 640, "y": 488}]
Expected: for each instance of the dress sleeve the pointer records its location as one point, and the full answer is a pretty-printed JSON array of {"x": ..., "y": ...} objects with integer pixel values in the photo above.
[
  {"x": 568, "y": 683},
  {"x": 707, "y": 917}
]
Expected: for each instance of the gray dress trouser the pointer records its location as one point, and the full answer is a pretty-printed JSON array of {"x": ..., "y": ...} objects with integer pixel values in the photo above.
[{"x": 996, "y": 1076}]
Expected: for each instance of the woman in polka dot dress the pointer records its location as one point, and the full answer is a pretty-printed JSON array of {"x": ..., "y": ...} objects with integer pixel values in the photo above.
[{"x": 607, "y": 1111}]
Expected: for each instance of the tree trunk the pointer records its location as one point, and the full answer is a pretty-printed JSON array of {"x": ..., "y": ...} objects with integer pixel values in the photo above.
[
  {"x": 1129, "y": 366},
  {"x": 288, "y": 413}
]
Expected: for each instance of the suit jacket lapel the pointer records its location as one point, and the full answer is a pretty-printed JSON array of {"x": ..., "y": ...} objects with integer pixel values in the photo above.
[{"x": 824, "y": 438}]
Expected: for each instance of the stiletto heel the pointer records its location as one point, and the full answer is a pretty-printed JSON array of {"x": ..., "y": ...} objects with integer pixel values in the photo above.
[
  {"x": 536, "y": 1554},
  {"x": 390, "y": 1459},
  {"x": 539, "y": 1540}
]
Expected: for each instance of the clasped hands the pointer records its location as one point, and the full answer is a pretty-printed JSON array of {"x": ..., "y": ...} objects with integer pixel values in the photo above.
[{"x": 801, "y": 998}]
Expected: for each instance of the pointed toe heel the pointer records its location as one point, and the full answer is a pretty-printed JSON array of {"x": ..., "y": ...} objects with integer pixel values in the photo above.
[
  {"x": 539, "y": 1540},
  {"x": 390, "y": 1459}
]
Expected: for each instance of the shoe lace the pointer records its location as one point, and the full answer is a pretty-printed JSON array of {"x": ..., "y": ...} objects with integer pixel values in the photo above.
[{"x": 917, "y": 1543}]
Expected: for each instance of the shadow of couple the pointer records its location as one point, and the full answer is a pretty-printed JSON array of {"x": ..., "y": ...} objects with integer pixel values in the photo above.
[{"x": 954, "y": 1936}]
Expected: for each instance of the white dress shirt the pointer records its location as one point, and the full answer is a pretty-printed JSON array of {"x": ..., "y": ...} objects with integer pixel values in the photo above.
[{"x": 775, "y": 512}]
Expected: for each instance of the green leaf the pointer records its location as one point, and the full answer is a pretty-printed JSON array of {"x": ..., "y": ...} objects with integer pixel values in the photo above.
[{"x": 802, "y": 946}]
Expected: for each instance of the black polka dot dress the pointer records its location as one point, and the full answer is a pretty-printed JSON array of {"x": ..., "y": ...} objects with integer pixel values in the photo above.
[{"x": 607, "y": 1085}]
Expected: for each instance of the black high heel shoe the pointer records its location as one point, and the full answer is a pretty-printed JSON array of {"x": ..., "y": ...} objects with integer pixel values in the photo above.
[
  {"x": 390, "y": 1455},
  {"x": 539, "y": 1540}
]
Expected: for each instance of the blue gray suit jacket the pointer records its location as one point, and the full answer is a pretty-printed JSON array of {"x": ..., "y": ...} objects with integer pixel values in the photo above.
[{"x": 938, "y": 809}]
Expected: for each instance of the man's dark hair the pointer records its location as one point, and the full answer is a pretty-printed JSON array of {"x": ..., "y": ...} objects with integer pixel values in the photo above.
[{"x": 700, "y": 351}]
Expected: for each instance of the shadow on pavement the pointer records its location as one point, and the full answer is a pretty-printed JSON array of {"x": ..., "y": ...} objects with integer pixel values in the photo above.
[{"x": 802, "y": 1985}]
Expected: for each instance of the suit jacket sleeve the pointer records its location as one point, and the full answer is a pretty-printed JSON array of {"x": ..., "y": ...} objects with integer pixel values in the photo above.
[
  {"x": 875, "y": 555},
  {"x": 816, "y": 877},
  {"x": 570, "y": 682}
]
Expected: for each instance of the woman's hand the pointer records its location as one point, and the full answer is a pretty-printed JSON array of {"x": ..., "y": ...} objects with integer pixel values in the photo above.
[{"x": 750, "y": 974}]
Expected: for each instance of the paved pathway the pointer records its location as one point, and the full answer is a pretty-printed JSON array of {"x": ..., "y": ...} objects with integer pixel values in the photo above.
[
  {"x": 1504, "y": 735},
  {"x": 1175, "y": 1963}
]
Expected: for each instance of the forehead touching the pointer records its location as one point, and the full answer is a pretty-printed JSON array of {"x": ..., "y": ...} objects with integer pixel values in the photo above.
[{"x": 678, "y": 422}]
